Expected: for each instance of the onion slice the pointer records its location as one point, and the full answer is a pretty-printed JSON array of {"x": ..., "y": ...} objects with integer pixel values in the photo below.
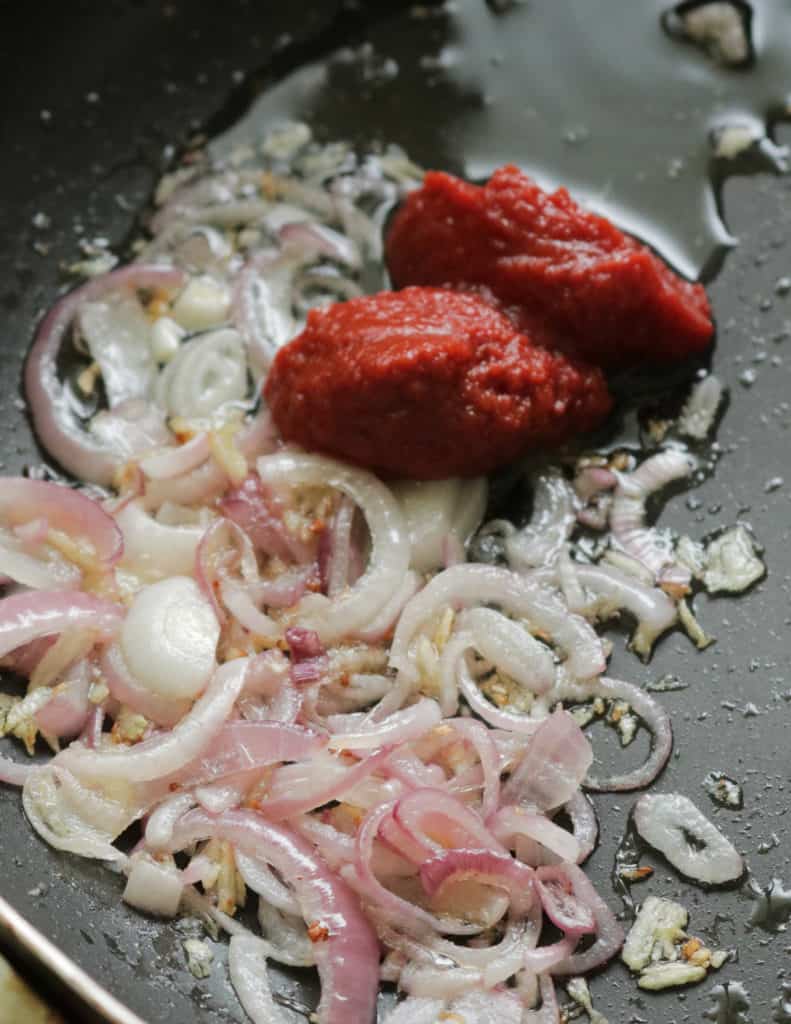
[
  {"x": 694, "y": 846},
  {"x": 53, "y": 418},
  {"x": 353, "y": 609},
  {"x": 347, "y": 954}
]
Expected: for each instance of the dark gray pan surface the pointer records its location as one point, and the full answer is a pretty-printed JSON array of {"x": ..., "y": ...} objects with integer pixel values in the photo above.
[{"x": 162, "y": 71}]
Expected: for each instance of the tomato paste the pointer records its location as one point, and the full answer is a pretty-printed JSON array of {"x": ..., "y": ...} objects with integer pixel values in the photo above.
[
  {"x": 427, "y": 383},
  {"x": 570, "y": 277}
]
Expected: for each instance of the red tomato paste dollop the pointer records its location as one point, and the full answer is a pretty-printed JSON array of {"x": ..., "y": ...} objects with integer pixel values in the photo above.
[
  {"x": 427, "y": 383},
  {"x": 570, "y": 277}
]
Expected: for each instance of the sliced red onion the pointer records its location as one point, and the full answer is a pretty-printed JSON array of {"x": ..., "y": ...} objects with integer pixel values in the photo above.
[
  {"x": 66, "y": 713},
  {"x": 585, "y": 824},
  {"x": 609, "y": 934},
  {"x": 385, "y": 620},
  {"x": 479, "y": 737},
  {"x": 258, "y": 876},
  {"x": 425, "y": 814},
  {"x": 347, "y": 953},
  {"x": 464, "y": 585},
  {"x": 70, "y": 816},
  {"x": 549, "y": 1012},
  {"x": 117, "y": 333},
  {"x": 162, "y": 820},
  {"x": 286, "y": 936},
  {"x": 241, "y": 746},
  {"x": 512, "y": 823},
  {"x": 28, "y": 616},
  {"x": 210, "y": 480},
  {"x": 400, "y": 912},
  {"x": 694, "y": 846},
  {"x": 339, "y": 561},
  {"x": 356, "y": 607},
  {"x": 55, "y": 422},
  {"x": 166, "y": 754},
  {"x": 253, "y": 508},
  {"x": 247, "y": 968},
  {"x": 298, "y": 788},
  {"x": 486, "y": 866},
  {"x": 304, "y": 644},
  {"x": 262, "y": 305},
  {"x": 559, "y": 902},
  {"x": 648, "y": 709},
  {"x": 127, "y": 690},
  {"x": 497, "y": 718},
  {"x": 310, "y": 239},
  {"x": 554, "y": 517},
  {"x": 237, "y": 600},
  {"x": 50, "y": 571},
  {"x": 207, "y": 373},
  {"x": 169, "y": 638},
  {"x": 627, "y": 519},
  {"x": 82, "y": 518},
  {"x": 400, "y": 727},
  {"x": 557, "y": 759},
  {"x": 156, "y": 549},
  {"x": 610, "y": 591},
  {"x": 173, "y": 461},
  {"x": 510, "y": 647}
]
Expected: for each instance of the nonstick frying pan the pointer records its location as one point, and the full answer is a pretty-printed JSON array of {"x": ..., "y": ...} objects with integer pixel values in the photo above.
[{"x": 95, "y": 97}]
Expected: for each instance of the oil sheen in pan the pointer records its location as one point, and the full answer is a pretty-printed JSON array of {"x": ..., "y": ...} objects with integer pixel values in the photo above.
[{"x": 614, "y": 105}]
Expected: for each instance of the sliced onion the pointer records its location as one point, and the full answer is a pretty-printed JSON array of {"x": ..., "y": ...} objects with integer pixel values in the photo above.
[
  {"x": 649, "y": 710},
  {"x": 627, "y": 519},
  {"x": 206, "y": 373},
  {"x": 400, "y": 727},
  {"x": 53, "y": 417},
  {"x": 512, "y": 823},
  {"x": 127, "y": 690},
  {"x": 28, "y": 616},
  {"x": 348, "y": 957},
  {"x": 497, "y": 718},
  {"x": 355, "y": 608},
  {"x": 162, "y": 820},
  {"x": 310, "y": 239},
  {"x": 13, "y": 773},
  {"x": 561, "y": 906},
  {"x": 556, "y": 761},
  {"x": 585, "y": 824},
  {"x": 694, "y": 846},
  {"x": 156, "y": 549},
  {"x": 262, "y": 305},
  {"x": 609, "y": 934},
  {"x": 74, "y": 513},
  {"x": 510, "y": 647},
  {"x": 50, "y": 572},
  {"x": 173, "y": 461},
  {"x": 554, "y": 517},
  {"x": 66, "y": 713},
  {"x": 298, "y": 788},
  {"x": 164, "y": 755},
  {"x": 117, "y": 333},
  {"x": 247, "y": 968},
  {"x": 611, "y": 591},
  {"x": 480, "y": 584},
  {"x": 258, "y": 876},
  {"x": 486, "y": 866}
]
